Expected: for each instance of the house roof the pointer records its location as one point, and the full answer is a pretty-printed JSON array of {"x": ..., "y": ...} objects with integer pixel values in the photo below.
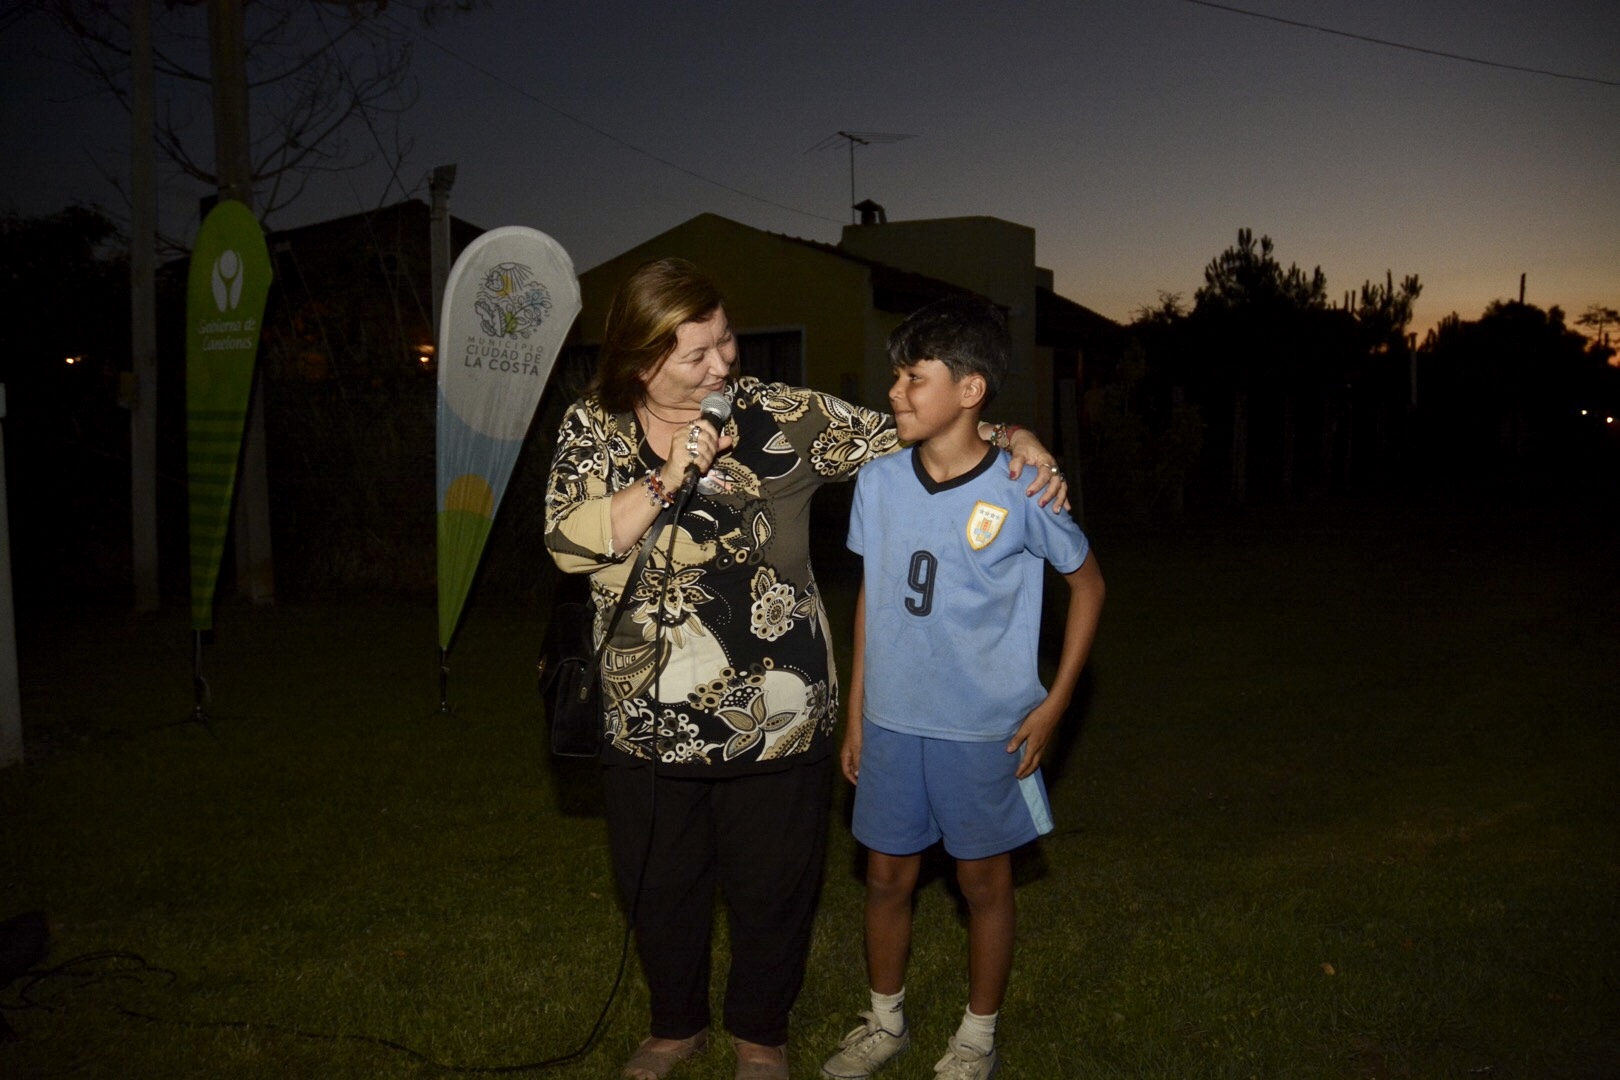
[
  {"x": 462, "y": 232},
  {"x": 893, "y": 290},
  {"x": 408, "y": 217},
  {"x": 1061, "y": 323}
]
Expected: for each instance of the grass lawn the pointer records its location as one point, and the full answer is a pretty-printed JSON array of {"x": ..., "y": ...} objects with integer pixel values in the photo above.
[{"x": 1340, "y": 802}]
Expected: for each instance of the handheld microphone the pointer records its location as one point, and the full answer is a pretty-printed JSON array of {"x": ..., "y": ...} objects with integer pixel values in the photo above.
[{"x": 716, "y": 411}]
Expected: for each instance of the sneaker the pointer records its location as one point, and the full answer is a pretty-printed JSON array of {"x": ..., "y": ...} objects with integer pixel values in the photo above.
[
  {"x": 866, "y": 1049},
  {"x": 964, "y": 1062}
]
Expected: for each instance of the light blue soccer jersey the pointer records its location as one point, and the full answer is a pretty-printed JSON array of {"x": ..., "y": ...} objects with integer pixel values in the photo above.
[{"x": 953, "y": 578}]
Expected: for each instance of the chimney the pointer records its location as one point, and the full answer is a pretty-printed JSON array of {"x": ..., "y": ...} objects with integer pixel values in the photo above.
[{"x": 871, "y": 213}]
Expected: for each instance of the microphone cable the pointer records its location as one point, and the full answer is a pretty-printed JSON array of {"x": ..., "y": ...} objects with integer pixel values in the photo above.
[
  {"x": 123, "y": 966},
  {"x": 633, "y": 908}
]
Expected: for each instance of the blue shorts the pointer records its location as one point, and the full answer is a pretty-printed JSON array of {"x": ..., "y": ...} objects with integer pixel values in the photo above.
[{"x": 915, "y": 790}]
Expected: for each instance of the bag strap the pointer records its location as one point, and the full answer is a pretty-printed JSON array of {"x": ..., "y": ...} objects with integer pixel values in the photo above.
[{"x": 666, "y": 515}]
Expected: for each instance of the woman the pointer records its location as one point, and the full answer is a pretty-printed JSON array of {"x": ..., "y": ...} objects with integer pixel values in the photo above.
[{"x": 719, "y": 688}]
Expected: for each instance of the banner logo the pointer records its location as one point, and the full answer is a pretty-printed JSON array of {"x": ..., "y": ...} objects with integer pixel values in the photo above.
[
  {"x": 227, "y": 280},
  {"x": 510, "y": 302},
  {"x": 984, "y": 525}
]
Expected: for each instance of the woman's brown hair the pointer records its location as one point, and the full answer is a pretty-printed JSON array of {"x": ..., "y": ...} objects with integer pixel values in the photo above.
[{"x": 642, "y": 320}]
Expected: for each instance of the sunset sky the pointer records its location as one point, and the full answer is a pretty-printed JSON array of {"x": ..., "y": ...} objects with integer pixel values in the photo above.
[{"x": 1135, "y": 136}]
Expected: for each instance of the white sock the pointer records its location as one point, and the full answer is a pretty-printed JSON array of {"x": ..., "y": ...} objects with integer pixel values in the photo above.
[
  {"x": 978, "y": 1031},
  {"x": 890, "y": 1010}
]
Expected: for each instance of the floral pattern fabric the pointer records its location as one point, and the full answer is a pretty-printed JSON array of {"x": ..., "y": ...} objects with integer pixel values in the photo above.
[{"x": 721, "y": 664}]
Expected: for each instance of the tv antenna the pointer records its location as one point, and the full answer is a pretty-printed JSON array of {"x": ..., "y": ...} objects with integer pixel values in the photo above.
[{"x": 856, "y": 138}]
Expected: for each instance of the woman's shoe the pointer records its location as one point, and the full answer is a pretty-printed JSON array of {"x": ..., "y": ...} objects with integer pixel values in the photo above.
[
  {"x": 762, "y": 1062},
  {"x": 653, "y": 1063}
]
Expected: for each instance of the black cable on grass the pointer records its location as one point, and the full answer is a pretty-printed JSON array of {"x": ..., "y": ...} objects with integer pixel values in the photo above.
[
  {"x": 139, "y": 966},
  {"x": 91, "y": 969},
  {"x": 88, "y": 969}
]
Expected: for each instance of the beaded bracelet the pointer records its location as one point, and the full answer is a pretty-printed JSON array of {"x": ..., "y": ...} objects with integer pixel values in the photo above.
[
  {"x": 1001, "y": 435},
  {"x": 657, "y": 494}
]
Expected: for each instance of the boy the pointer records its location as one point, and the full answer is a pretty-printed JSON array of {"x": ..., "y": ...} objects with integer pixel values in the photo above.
[{"x": 947, "y": 719}]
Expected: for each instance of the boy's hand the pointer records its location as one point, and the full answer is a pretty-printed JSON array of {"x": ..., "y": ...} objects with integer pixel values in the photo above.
[
  {"x": 849, "y": 757},
  {"x": 1034, "y": 734}
]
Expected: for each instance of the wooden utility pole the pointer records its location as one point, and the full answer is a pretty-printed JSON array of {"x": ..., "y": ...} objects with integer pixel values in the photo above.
[
  {"x": 255, "y": 572},
  {"x": 143, "y": 314},
  {"x": 227, "y": 48},
  {"x": 444, "y": 177}
]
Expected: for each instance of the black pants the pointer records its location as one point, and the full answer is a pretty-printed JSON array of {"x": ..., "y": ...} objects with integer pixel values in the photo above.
[{"x": 759, "y": 842}]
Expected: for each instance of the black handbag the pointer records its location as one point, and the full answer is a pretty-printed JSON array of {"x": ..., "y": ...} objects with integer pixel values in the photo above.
[{"x": 570, "y": 685}]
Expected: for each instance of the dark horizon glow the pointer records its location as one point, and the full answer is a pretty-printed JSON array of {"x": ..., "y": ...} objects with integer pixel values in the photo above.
[{"x": 1136, "y": 138}]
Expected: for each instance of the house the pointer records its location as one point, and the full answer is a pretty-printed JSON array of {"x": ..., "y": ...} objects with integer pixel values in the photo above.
[
  {"x": 347, "y": 382},
  {"x": 348, "y": 376},
  {"x": 819, "y": 314},
  {"x": 805, "y": 312},
  {"x": 353, "y": 296}
]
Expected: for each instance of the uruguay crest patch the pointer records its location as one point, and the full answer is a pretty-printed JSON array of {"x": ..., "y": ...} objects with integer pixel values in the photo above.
[{"x": 985, "y": 523}]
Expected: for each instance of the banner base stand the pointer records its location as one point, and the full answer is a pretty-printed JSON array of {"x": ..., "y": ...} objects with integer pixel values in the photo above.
[
  {"x": 201, "y": 695},
  {"x": 445, "y": 708}
]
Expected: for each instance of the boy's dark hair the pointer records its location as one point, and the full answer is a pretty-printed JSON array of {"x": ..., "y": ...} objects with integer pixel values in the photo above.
[{"x": 968, "y": 334}]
